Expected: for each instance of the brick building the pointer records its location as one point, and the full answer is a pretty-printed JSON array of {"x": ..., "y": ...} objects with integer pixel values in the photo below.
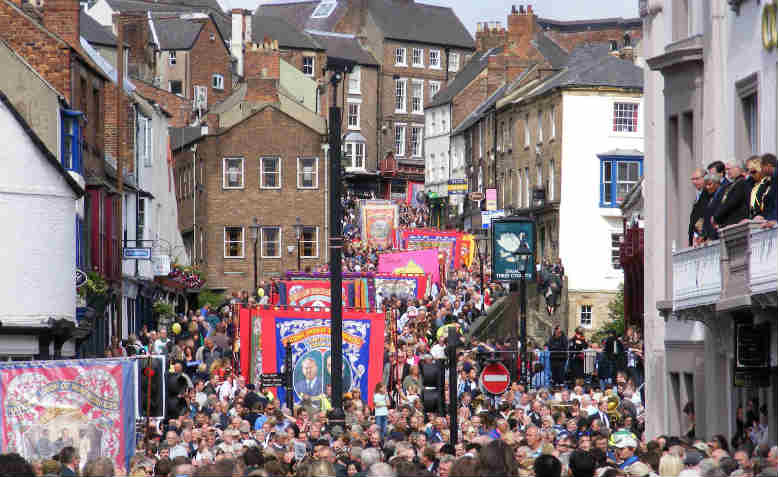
[
  {"x": 418, "y": 48},
  {"x": 264, "y": 159}
]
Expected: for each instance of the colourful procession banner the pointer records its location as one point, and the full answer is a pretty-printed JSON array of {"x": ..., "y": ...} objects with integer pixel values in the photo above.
[
  {"x": 411, "y": 262},
  {"x": 87, "y": 404},
  {"x": 308, "y": 333},
  {"x": 387, "y": 286},
  {"x": 372, "y": 283},
  {"x": 419, "y": 239},
  {"x": 313, "y": 293},
  {"x": 379, "y": 220}
]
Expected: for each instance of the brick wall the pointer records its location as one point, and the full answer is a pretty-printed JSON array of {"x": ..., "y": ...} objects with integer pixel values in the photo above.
[
  {"x": 113, "y": 135},
  {"x": 208, "y": 57},
  {"x": 268, "y": 132},
  {"x": 468, "y": 99},
  {"x": 62, "y": 18},
  {"x": 180, "y": 108},
  {"x": 569, "y": 40},
  {"x": 141, "y": 63},
  {"x": 49, "y": 57}
]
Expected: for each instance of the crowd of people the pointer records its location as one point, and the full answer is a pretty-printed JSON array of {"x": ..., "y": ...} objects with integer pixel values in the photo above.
[
  {"x": 728, "y": 194},
  {"x": 571, "y": 417}
]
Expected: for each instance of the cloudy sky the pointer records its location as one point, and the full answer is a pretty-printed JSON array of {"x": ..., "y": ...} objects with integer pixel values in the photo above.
[{"x": 472, "y": 11}]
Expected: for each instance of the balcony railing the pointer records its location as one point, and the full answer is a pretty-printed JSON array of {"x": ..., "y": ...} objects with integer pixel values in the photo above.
[
  {"x": 763, "y": 263},
  {"x": 727, "y": 272},
  {"x": 696, "y": 276}
]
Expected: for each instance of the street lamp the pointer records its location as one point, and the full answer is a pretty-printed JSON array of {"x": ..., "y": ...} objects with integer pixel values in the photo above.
[
  {"x": 481, "y": 241},
  {"x": 298, "y": 231},
  {"x": 254, "y": 230},
  {"x": 339, "y": 68}
]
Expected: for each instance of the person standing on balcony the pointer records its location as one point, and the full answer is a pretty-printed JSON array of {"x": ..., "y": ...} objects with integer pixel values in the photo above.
[
  {"x": 771, "y": 202},
  {"x": 698, "y": 209},
  {"x": 713, "y": 187},
  {"x": 762, "y": 175},
  {"x": 734, "y": 202}
]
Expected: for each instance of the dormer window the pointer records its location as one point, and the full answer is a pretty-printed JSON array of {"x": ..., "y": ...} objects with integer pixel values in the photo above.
[{"x": 324, "y": 9}]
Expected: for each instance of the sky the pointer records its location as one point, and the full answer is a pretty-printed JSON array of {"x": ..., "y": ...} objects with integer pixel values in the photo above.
[{"x": 472, "y": 11}]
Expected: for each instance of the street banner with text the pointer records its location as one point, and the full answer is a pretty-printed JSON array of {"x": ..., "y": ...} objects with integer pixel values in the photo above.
[{"x": 411, "y": 262}]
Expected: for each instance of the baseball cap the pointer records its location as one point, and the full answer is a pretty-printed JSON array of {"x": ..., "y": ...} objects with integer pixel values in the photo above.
[
  {"x": 626, "y": 441},
  {"x": 693, "y": 457}
]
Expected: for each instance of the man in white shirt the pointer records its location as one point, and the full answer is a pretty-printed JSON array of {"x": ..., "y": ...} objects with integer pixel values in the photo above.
[
  {"x": 160, "y": 345},
  {"x": 176, "y": 448},
  {"x": 438, "y": 350}
]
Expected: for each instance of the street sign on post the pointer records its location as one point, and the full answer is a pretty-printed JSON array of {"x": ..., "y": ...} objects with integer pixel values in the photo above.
[
  {"x": 476, "y": 196},
  {"x": 495, "y": 378},
  {"x": 136, "y": 253},
  {"x": 272, "y": 380}
]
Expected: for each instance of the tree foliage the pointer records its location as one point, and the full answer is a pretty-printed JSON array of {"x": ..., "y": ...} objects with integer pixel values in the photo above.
[
  {"x": 615, "y": 323},
  {"x": 215, "y": 299}
]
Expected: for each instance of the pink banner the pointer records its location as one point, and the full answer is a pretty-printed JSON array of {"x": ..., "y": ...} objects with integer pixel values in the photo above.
[{"x": 411, "y": 263}]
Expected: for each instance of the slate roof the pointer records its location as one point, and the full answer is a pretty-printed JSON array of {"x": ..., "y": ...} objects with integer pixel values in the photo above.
[
  {"x": 474, "y": 116},
  {"x": 94, "y": 32},
  {"x": 471, "y": 70},
  {"x": 176, "y": 33},
  {"x": 420, "y": 23},
  {"x": 180, "y": 137},
  {"x": 281, "y": 30},
  {"x": 223, "y": 22},
  {"x": 414, "y": 22},
  {"x": 553, "y": 53},
  {"x": 343, "y": 46},
  {"x": 588, "y": 66},
  {"x": 586, "y": 25}
]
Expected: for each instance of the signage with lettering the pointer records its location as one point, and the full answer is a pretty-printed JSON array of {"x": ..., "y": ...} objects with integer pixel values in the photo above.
[
  {"x": 79, "y": 277},
  {"x": 476, "y": 196},
  {"x": 137, "y": 253},
  {"x": 513, "y": 249},
  {"x": 457, "y": 187}
]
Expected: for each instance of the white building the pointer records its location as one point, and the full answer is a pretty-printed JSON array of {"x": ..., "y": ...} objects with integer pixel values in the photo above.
[
  {"x": 38, "y": 247},
  {"x": 578, "y": 136},
  {"x": 710, "y": 97}
]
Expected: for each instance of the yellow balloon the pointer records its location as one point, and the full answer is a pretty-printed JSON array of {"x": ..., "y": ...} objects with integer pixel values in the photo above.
[
  {"x": 261, "y": 292},
  {"x": 176, "y": 328}
]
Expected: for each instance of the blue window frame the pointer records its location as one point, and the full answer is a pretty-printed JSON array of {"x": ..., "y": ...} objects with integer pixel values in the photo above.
[
  {"x": 618, "y": 174},
  {"x": 71, "y": 140},
  {"x": 79, "y": 243}
]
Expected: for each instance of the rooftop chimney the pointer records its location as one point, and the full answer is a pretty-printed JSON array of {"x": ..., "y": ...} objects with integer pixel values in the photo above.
[
  {"x": 263, "y": 70},
  {"x": 62, "y": 18},
  {"x": 521, "y": 30}
]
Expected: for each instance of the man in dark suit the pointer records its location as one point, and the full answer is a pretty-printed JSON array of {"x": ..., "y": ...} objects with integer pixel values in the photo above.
[
  {"x": 311, "y": 384},
  {"x": 557, "y": 345},
  {"x": 734, "y": 201},
  {"x": 698, "y": 209},
  {"x": 713, "y": 187}
]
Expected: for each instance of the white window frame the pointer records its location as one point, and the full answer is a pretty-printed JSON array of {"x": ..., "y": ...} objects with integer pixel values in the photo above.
[
  {"x": 416, "y": 148},
  {"x": 526, "y": 130},
  {"x": 551, "y": 179},
  {"x": 587, "y": 312},
  {"x": 315, "y": 242},
  {"x": 313, "y": 65},
  {"x": 217, "y": 81},
  {"x": 453, "y": 61},
  {"x": 144, "y": 137},
  {"x": 552, "y": 120},
  {"x": 242, "y": 242},
  {"x": 526, "y": 187},
  {"x": 301, "y": 172},
  {"x": 355, "y": 81},
  {"x": 262, "y": 241},
  {"x": 417, "y": 101},
  {"x": 350, "y": 151},
  {"x": 225, "y": 172},
  {"x": 623, "y": 129},
  {"x": 420, "y": 57},
  {"x": 435, "y": 65},
  {"x": 324, "y": 9},
  {"x": 540, "y": 126},
  {"x": 172, "y": 59},
  {"x": 200, "y": 97},
  {"x": 615, "y": 258},
  {"x": 434, "y": 87},
  {"x": 404, "y": 83},
  {"x": 356, "y": 126},
  {"x": 398, "y": 53},
  {"x": 262, "y": 172},
  {"x": 539, "y": 175},
  {"x": 399, "y": 139}
]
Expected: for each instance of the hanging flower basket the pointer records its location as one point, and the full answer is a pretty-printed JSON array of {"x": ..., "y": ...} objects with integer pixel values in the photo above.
[{"x": 188, "y": 276}]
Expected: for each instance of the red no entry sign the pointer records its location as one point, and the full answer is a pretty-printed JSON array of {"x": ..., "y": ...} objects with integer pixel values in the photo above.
[{"x": 495, "y": 378}]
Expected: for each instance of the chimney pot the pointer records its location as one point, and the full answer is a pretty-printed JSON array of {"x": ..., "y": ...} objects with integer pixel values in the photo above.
[
  {"x": 513, "y": 10},
  {"x": 529, "y": 9},
  {"x": 521, "y": 9}
]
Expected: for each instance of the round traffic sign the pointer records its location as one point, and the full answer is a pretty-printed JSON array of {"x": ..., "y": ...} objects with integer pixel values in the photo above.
[{"x": 495, "y": 378}]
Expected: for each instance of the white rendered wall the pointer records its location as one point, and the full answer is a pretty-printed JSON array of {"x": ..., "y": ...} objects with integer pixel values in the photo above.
[
  {"x": 745, "y": 34},
  {"x": 38, "y": 243},
  {"x": 436, "y": 142},
  {"x": 585, "y": 228}
]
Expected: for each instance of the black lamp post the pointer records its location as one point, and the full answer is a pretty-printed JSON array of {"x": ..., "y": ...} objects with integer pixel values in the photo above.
[
  {"x": 481, "y": 240},
  {"x": 339, "y": 68},
  {"x": 298, "y": 231},
  {"x": 254, "y": 229}
]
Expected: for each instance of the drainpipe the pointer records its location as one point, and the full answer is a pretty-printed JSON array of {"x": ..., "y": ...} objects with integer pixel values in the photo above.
[
  {"x": 194, "y": 204},
  {"x": 494, "y": 149}
]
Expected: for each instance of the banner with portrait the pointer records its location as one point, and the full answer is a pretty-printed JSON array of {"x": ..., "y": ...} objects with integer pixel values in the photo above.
[
  {"x": 87, "y": 404},
  {"x": 379, "y": 220},
  {"x": 308, "y": 333},
  {"x": 313, "y": 293},
  {"x": 403, "y": 287}
]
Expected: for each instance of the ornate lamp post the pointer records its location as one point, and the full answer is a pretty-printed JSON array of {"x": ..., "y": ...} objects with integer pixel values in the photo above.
[
  {"x": 254, "y": 233},
  {"x": 298, "y": 231}
]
